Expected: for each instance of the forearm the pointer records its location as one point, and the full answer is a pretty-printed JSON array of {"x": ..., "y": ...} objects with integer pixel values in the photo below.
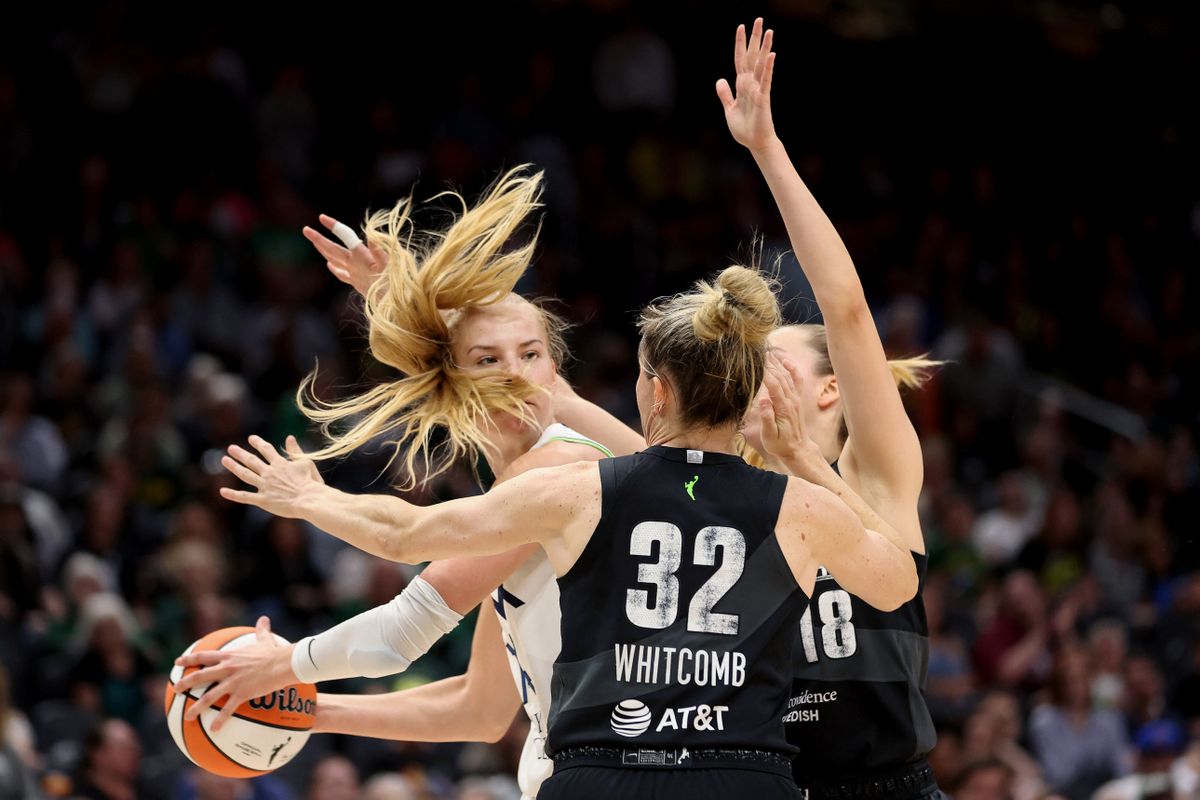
[
  {"x": 382, "y": 641},
  {"x": 373, "y": 523},
  {"x": 818, "y": 247},
  {"x": 436, "y": 712}
]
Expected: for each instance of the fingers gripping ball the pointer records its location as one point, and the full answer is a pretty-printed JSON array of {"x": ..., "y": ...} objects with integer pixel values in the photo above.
[{"x": 263, "y": 734}]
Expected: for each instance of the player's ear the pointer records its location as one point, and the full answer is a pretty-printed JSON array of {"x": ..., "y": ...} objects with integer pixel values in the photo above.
[
  {"x": 662, "y": 391},
  {"x": 829, "y": 394}
]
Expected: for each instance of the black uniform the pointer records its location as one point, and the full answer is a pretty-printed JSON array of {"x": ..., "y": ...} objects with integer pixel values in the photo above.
[
  {"x": 856, "y": 711},
  {"x": 679, "y": 624}
]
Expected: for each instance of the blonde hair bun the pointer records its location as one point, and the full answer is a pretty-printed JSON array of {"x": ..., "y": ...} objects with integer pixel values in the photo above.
[{"x": 741, "y": 304}]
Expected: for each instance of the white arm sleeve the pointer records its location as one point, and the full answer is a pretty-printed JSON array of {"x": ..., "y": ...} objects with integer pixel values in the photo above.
[{"x": 382, "y": 641}]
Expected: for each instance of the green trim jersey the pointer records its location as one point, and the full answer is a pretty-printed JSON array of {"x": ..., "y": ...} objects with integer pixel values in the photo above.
[
  {"x": 527, "y": 607},
  {"x": 679, "y": 618}
]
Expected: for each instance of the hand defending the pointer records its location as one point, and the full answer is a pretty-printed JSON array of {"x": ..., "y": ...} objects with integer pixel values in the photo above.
[
  {"x": 357, "y": 266},
  {"x": 281, "y": 482}
]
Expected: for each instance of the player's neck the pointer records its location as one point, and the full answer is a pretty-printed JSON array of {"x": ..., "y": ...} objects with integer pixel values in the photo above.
[
  {"x": 712, "y": 440},
  {"x": 508, "y": 447}
]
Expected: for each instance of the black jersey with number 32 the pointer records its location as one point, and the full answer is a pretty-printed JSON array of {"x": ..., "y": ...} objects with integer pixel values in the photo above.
[{"x": 679, "y": 619}]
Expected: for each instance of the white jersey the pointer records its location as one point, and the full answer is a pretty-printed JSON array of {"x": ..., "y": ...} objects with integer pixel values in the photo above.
[{"x": 527, "y": 607}]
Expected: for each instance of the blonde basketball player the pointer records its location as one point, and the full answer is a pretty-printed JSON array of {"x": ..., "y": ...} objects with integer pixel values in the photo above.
[{"x": 480, "y": 362}]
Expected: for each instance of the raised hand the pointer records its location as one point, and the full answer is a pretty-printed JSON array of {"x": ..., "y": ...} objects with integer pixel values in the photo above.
[
  {"x": 357, "y": 264},
  {"x": 748, "y": 113},
  {"x": 281, "y": 482},
  {"x": 235, "y": 676}
]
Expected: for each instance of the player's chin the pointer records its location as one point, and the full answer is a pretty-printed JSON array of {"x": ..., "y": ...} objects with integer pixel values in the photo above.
[{"x": 511, "y": 423}]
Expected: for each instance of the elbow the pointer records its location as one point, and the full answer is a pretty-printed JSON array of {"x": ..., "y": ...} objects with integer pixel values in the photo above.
[
  {"x": 494, "y": 731},
  {"x": 846, "y": 306},
  {"x": 395, "y": 544},
  {"x": 390, "y": 544},
  {"x": 900, "y": 591},
  {"x": 906, "y": 588},
  {"x": 493, "y": 722}
]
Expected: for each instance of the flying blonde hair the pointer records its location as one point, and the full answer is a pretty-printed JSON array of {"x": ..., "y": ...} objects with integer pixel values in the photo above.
[{"x": 431, "y": 281}]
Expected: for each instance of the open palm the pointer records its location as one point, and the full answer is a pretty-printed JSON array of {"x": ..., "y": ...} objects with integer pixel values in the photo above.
[{"x": 748, "y": 113}]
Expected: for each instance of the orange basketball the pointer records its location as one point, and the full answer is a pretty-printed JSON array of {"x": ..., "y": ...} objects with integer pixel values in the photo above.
[{"x": 262, "y": 735}]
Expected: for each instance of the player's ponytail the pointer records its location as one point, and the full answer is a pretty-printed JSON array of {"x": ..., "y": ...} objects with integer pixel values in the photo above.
[{"x": 711, "y": 344}]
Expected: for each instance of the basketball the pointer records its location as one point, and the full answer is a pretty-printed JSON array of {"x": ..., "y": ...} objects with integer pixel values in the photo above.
[{"x": 262, "y": 735}]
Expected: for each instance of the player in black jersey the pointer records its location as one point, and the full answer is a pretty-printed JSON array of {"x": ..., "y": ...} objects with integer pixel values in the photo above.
[
  {"x": 683, "y": 571},
  {"x": 856, "y": 712}
]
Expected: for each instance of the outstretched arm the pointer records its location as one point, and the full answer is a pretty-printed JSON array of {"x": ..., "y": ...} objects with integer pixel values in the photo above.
[
  {"x": 557, "y": 508},
  {"x": 475, "y": 707},
  {"x": 884, "y": 443}
]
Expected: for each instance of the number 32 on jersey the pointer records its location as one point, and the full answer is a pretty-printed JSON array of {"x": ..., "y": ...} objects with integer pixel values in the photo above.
[
  {"x": 662, "y": 611},
  {"x": 837, "y": 633}
]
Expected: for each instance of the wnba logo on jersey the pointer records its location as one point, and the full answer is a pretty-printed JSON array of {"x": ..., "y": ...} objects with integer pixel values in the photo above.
[{"x": 630, "y": 718}]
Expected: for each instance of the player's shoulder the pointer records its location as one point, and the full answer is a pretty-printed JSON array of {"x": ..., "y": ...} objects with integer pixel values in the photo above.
[
  {"x": 805, "y": 502},
  {"x": 555, "y": 454}
]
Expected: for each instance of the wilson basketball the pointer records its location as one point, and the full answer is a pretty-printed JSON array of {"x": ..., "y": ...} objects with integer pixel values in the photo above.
[{"x": 262, "y": 735}]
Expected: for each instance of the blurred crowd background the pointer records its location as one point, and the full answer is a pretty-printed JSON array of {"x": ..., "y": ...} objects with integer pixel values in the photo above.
[{"x": 1017, "y": 182}]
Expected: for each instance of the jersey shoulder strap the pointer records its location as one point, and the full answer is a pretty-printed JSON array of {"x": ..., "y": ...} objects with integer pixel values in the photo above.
[{"x": 557, "y": 432}]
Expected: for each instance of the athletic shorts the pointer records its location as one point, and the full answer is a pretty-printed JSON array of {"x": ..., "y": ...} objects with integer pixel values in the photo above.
[{"x": 620, "y": 783}]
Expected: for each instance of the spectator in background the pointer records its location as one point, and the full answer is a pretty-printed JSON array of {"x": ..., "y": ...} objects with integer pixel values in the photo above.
[
  {"x": 1159, "y": 745},
  {"x": 282, "y": 580},
  {"x": 993, "y": 733},
  {"x": 200, "y": 785},
  {"x": 32, "y": 442},
  {"x": 999, "y": 534},
  {"x": 111, "y": 656},
  {"x": 1145, "y": 696},
  {"x": 334, "y": 778},
  {"x": 112, "y": 758},
  {"x": 989, "y": 779},
  {"x": 20, "y": 582},
  {"x": 1108, "y": 647},
  {"x": 1116, "y": 555},
  {"x": 389, "y": 786},
  {"x": 952, "y": 551},
  {"x": 950, "y": 683},
  {"x": 1012, "y": 649},
  {"x": 1057, "y": 554},
  {"x": 17, "y": 779},
  {"x": 1078, "y": 747}
]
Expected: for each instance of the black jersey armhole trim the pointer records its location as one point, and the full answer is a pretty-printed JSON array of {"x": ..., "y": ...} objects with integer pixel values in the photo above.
[
  {"x": 774, "y": 505},
  {"x": 608, "y": 491}
]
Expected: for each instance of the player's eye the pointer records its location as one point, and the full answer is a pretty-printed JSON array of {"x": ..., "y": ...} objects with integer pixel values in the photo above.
[
  {"x": 487, "y": 361},
  {"x": 532, "y": 354}
]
